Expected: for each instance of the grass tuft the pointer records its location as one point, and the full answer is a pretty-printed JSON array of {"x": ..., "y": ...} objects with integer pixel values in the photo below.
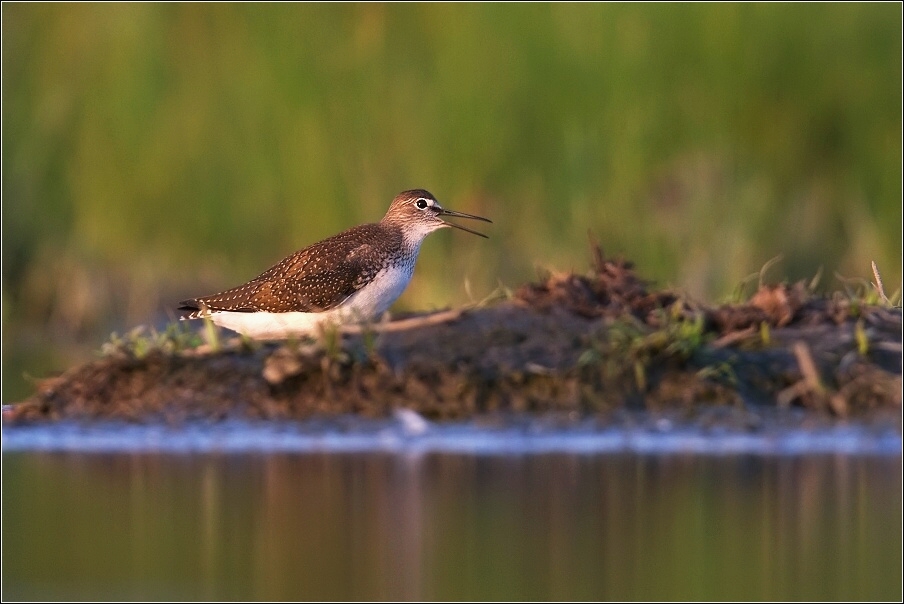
[{"x": 142, "y": 340}]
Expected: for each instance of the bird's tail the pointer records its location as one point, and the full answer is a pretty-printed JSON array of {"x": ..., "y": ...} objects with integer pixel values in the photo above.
[{"x": 193, "y": 309}]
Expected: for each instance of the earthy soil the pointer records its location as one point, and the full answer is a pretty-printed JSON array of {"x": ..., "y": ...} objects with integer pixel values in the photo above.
[{"x": 584, "y": 344}]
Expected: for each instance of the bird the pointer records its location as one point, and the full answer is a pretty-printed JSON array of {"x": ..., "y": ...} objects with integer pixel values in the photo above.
[{"x": 351, "y": 277}]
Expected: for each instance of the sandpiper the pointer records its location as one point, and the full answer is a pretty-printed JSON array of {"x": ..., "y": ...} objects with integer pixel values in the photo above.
[{"x": 350, "y": 277}]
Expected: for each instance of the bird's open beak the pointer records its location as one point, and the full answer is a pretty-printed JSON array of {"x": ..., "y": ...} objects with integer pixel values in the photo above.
[{"x": 446, "y": 212}]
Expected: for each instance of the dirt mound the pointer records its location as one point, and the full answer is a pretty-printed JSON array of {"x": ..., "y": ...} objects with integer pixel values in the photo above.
[{"x": 578, "y": 343}]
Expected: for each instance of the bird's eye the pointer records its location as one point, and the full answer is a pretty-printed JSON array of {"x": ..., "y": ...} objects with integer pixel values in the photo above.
[{"x": 422, "y": 203}]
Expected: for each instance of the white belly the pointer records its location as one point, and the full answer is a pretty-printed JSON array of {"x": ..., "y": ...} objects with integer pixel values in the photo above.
[{"x": 365, "y": 304}]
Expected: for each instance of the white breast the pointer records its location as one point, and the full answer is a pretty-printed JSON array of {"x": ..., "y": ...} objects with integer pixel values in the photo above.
[{"x": 377, "y": 296}]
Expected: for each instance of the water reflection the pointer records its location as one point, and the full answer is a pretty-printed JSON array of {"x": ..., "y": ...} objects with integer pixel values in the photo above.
[{"x": 450, "y": 526}]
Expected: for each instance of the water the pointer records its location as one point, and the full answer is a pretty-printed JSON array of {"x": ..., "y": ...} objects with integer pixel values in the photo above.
[
  {"x": 404, "y": 520},
  {"x": 409, "y": 433}
]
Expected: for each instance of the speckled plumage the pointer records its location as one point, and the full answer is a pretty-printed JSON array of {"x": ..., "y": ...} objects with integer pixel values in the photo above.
[
  {"x": 317, "y": 278},
  {"x": 354, "y": 275}
]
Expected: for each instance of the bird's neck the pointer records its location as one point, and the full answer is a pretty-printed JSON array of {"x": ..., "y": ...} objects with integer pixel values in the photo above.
[{"x": 412, "y": 234}]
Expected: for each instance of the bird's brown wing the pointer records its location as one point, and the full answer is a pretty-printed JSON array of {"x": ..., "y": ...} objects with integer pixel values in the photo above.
[{"x": 315, "y": 279}]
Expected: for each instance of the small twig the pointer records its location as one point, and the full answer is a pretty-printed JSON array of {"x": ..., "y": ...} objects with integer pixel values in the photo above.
[
  {"x": 815, "y": 280},
  {"x": 787, "y": 396},
  {"x": 733, "y": 337},
  {"x": 878, "y": 284},
  {"x": 810, "y": 382},
  {"x": 808, "y": 367},
  {"x": 599, "y": 259},
  {"x": 403, "y": 324}
]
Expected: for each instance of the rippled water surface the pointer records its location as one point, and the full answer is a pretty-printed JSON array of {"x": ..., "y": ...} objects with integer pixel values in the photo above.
[{"x": 433, "y": 522}]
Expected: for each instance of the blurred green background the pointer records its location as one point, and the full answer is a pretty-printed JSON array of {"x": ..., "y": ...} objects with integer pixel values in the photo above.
[{"x": 156, "y": 152}]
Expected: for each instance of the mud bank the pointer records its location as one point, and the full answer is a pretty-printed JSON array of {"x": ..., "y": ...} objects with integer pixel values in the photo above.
[{"x": 583, "y": 344}]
